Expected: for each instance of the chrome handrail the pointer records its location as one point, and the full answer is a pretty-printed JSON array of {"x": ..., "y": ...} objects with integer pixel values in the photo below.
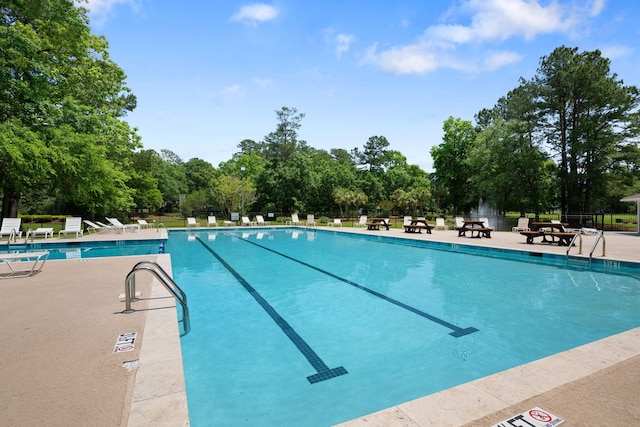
[
  {"x": 164, "y": 278},
  {"x": 593, "y": 248},
  {"x": 578, "y": 235}
]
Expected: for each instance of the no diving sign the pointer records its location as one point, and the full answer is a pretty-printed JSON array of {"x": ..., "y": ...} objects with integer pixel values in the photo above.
[
  {"x": 125, "y": 342},
  {"x": 535, "y": 417}
]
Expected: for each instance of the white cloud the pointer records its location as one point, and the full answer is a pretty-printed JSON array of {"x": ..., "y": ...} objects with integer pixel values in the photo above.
[
  {"x": 502, "y": 19},
  {"x": 597, "y": 6},
  {"x": 616, "y": 51},
  {"x": 496, "y": 60},
  {"x": 410, "y": 59},
  {"x": 487, "y": 21},
  {"x": 100, "y": 10},
  {"x": 231, "y": 92},
  {"x": 343, "y": 43},
  {"x": 264, "y": 83},
  {"x": 255, "y": 13}
]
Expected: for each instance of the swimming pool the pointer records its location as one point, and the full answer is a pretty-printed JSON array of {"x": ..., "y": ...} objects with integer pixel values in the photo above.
[
  {"x": 89, "y": 249},
  {"x": 301, "y": 327}
]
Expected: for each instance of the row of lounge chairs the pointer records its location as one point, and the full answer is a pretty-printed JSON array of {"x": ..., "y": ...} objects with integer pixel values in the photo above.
[{"x": 11, "y": 228}]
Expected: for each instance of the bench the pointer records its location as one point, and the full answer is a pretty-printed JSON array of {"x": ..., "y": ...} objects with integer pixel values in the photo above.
[
  {"x": 417, "y": 228},
  {"x": 375, "y": 225},
  {"x": 564, "y": 239},
  {"x": 482, "y": 232},
  {"x": 530, "y": 235}
]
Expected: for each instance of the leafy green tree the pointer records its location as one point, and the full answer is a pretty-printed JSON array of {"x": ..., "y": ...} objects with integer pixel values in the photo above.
[
  {"x": 58, "y": 82},
  {"x": 589, "y": 114},
  {"x": 449, "y": 161},
  {"x": 374, "y": 155}
]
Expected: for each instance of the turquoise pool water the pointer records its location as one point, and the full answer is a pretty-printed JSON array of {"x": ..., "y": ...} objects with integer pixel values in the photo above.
[
  {"x": 299, "y": 327},
  {"x": 89, "y": 249}
]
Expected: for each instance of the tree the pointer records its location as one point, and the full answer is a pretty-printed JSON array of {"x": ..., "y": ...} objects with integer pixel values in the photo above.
[
  {"x": 59, "y": 84},
  {"x": 374, "y": 155},
  {"x": 588, "y": 116},
  {"x": 449, "y": 161}
]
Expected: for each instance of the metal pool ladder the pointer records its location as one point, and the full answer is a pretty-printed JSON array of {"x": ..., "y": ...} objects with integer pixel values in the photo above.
[{"x": 164, "y": 278}]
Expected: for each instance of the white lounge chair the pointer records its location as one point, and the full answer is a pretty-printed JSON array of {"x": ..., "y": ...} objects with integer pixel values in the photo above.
[
  {"x": 126, "y": 227},
  {"x": 523, "y": 225},
  {"x": 337, "y": 222},
  {"x": 33, "y": 261},
  {"x": 93, "y": 227},
  {"x": 191, "y": 222},
  {"x": 260, "y": 220},
  {"x": 459, "y": 222},
  {"x": 11, "y": 227},
  {"x": 294, "y": 220},
  {"x": 72, "y": 225},
  {"x": 440, "y": 224},
  {"x": 40, "y": 231},
  {"x": 362, "y": 222},
  {"x": 407, "y": 220},
  {"x": 110, "y": 228},
  {"x": 485, "y": 222},
  {"x": 311, "y": 221},
  {"x": 246, "y": 221},
  {"x": 144, "y": 224},
  {"x": 211, "y": 220}
]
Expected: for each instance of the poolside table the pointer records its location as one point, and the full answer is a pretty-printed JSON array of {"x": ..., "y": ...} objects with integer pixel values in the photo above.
[
  {"x": 555, "y": 230},
  {"x": 474, "y": 225},
  {"x": 375, "y": 223},
  {"x": 417, "y": 225}
]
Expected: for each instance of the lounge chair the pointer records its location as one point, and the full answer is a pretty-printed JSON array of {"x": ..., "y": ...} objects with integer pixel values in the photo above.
[
  {"x": 33, "y": 261},
  {"x": 362, "y": 222},
  {"x": 485, "y": 222},
  {"x": 110, "y": 228},
  {"x": 144, "y": 224},
  {"x": 93, "y": 227},
  {"x": 11, "y": 227},
  {"x": 294, "y": 220},
  {"x": 459, "y": 222},
  {"x": 72, "y": 225},
  {"x": 191, "y": 222},
  {"x": 440, "y": 224},
  {"x": 407, "y": 220},
  {"x": 126, "y": 227},
  {"x": 247, "y": 222},
  {"x": 523, "y": 225},
  {"x": 311, "y": 221},
  {"x": 337, "y": 222},
  {"x": 211, "y": 220},
  {"x": 40, "y": 231},
  {"x": 260, "y": 220}
]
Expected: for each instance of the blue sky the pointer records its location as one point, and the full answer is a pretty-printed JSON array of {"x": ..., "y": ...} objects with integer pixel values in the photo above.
[{"x": 209, "y": 74}]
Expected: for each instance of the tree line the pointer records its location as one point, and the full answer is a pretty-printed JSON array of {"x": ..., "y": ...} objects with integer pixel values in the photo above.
[{"x": 567, "y": 139}]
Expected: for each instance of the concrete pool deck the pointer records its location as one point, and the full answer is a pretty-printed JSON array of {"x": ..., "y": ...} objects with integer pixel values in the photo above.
[{"x": 57, "y": 365}]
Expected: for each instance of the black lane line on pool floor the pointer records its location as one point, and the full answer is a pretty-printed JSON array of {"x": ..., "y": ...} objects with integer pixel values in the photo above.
[
  {"x": 457, "y": 331},
  {"x": 323, "y": 372}
]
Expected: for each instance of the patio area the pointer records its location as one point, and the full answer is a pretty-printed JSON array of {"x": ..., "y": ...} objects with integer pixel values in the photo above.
[{"x": 58, "y": 365}]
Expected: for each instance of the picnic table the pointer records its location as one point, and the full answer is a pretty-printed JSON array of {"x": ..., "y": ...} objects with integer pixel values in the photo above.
[
  {"x": 417, "y": 225},
  {"x": 474, "y": 226},
  {"x": 375, "y": 223},
  {"x": 554, "y": 230}
]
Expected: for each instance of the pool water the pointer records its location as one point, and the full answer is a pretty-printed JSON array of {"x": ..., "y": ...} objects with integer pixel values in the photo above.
[
  {"x": 94, "y": 249},
  {"x": 295, "y": 327}
]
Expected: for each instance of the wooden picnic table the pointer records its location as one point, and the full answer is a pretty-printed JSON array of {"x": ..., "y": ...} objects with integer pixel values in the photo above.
[
  {"x": 474, "y": 225},
  {"x": 417, "y": 225},
  {"x": 554, "y": 230},
  {"x": 375, "y": 223}
]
